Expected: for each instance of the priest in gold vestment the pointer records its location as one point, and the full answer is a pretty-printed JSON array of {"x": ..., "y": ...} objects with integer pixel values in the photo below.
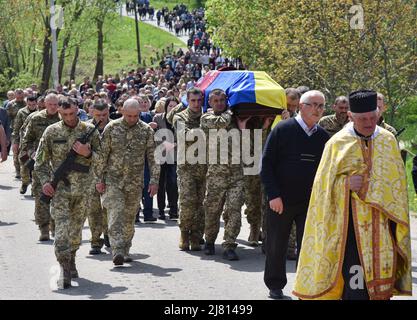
[{"x": 356, "y": 243}]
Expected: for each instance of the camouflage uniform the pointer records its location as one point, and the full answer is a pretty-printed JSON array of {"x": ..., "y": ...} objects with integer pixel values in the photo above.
[
  {"x": 191, "y": 181},
  {"x": 97, "y": 214},
  {"x": 70, "y": 202},
  {"x": 121, "y": 168},
  {"x": 170, "y": 115},
  {"x": 331, "y": 124},
  {"x": 37, "y": 124},
  {"x": 12, "y": 109},
  {"x": 225, "y": 186},
  {"x": 386, "y": 126},
  {"x": 17, "y": 135}
]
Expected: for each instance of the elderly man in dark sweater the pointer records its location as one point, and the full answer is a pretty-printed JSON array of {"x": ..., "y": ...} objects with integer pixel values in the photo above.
[{"x": 291, "y": 156}]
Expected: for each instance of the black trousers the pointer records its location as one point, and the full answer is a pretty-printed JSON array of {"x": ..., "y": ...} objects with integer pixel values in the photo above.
[
  {"x": 168, "y": 185},
  {"x": 354, "y": 288},
  {"x": 278, "y": 228}
]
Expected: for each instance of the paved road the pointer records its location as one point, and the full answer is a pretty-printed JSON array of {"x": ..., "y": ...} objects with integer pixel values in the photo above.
[
  {"x": 154, "y": 23},
  {"x": 159, "y": 271}
]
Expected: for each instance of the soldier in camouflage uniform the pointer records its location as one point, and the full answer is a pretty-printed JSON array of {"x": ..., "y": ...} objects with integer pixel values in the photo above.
[
  {"x": 12, "y": 109},
  {"x": 170, "y": 115},
  {"x": 30, "y": 141},
  {"x": 224, "y": 183},
  {"x": 125, "y": 144},
  {"x": 69, "y": 199},
  {"x": 191, "y": 177},
  {"x": 253, "y": 188},
  {"x": 335, "y": 122},
  {"x": 20, "y": 119},
  {"x": 97, "y": 215},
  {"x": 382, "y": 108}
]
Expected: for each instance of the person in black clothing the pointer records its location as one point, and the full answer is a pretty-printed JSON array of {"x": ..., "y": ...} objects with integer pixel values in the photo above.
[{"x": 291, "y": 156}]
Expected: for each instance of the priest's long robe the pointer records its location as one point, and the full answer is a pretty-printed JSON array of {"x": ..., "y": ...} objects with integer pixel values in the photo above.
[{"x": 384, "y": 251}]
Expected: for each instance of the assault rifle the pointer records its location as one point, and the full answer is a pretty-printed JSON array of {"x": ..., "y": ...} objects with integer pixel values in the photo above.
[{"x": 69, "y": 165}]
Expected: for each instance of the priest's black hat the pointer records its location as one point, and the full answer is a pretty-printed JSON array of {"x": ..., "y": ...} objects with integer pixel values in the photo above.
[{"x": 362, "y": 101}]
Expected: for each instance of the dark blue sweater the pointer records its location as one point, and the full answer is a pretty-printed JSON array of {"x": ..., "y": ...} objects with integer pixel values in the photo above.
[{"x": 290, "y": 162}]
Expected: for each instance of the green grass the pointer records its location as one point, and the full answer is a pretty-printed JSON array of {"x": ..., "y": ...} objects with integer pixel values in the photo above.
[
  {"x": 193, "y": 4},
  {"x": 412, "y": 198},
  {"x": 120, "y": 51}
]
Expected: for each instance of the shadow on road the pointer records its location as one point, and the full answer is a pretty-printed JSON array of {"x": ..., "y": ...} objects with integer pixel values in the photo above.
[
  {"x": 136, "y": 267},
  {"x": 108, "y": 256},
  {"x": 7, "y": 224},
  {"x": 95, "y": 290},
  {"x": 7, "y": 187},
  {"x": 157, "y": 225}
]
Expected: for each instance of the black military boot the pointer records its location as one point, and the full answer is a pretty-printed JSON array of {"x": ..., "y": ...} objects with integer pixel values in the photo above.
[
  {"x": 64, "y": 281},
  {"x": 73, "y": 267},
  {"x": 95, "y": 250},
  {"x": 23, "y": 188},
  {"x": 106, "y": 241},
  {"x": 230, "y": 254},
  {"x": 118, "y": 259},
  {"x": 209, "y": 249}
]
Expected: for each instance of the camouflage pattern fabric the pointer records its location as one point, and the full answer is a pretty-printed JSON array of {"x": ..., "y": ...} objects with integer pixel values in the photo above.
[
  {"x": 331, "y": 124},
  {"x": 70, "y": 202}
]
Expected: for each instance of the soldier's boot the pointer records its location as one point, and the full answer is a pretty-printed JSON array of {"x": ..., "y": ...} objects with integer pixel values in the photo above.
[
  {"x": 106, "y": 241},
  {"x": 209, "y": 249},
  {"x": 195, "y": 241},
  {"x": 52, "y": 227},
  {"x": 73, "y": 267},
  {"x": 64, "y": 281},
  {"x": 118, "y": 258},
  {"x": 254, "y": 236},
  {"x": 44, "y": 233},
  {"x": 185, "y": 241},
  {"x": 23, "y": 188},
  {"x": 230, "y": 254}
]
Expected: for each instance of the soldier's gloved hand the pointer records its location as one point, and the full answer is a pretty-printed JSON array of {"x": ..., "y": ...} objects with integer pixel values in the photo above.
[
  {"x": 101, "y": 187},
  {"x": 82, "y": 149},
  {"x": 153, "y": 189},
  {"x": 48, "y": 189}
]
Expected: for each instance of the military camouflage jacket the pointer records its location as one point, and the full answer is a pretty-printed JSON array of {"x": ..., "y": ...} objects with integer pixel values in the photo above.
[
  {"x": 12, "y": 109},
  {"x": 56, "y": 142},
  {"x": 122, "y": 157},
  {"x": 386, "y": 126},
  {"x": 179, "y": 108},
  {"x": 210, "y": 121},
  {"x": 18, "y": 124},
  {"x": 331, "y": 124},
  {"x": 35, "y": 128},
  {"x": 184, "y": 122}
]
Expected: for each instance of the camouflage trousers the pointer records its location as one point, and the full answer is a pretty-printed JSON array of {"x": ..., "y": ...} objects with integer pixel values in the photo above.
[
  {"x": 42, "y": 209},
  {"x": 69, "y": 213},
  {"x": 224, "y": 193},
  {"x": 122, "y": 207},
  {"x": 16, "y": 162},
  {"x": 253, "y": 200},
  {"x": 191, "y": 189},
  {"x": 97, "y": 219},
  {"x": 292, "y": 242},
  {"x": 25, "y": 174}
]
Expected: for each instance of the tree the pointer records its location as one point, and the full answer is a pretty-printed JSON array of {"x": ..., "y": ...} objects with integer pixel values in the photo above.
[{"x": 313, "y": 43}]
